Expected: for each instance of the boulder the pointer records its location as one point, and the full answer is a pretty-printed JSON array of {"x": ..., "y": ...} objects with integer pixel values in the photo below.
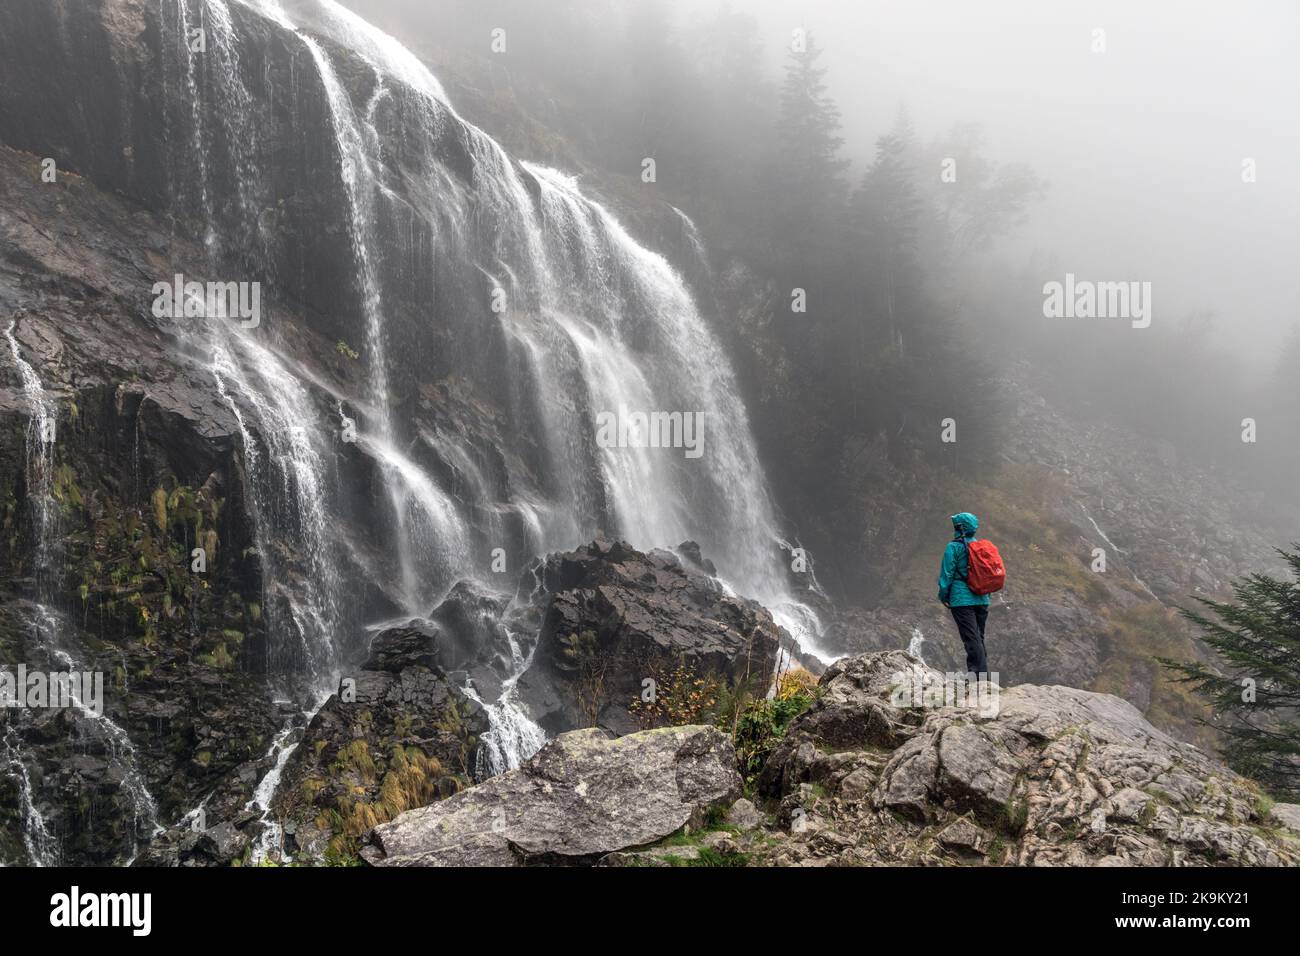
[
  {"x": 1288, "y": 814},
  {"x": 582, "y": 796},
  {"x": 613, "y": 618},
  {"x": 743, "y": 815}
]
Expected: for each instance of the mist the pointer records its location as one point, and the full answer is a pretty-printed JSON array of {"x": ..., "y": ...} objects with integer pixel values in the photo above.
[{"x": 1141, "y": 145}]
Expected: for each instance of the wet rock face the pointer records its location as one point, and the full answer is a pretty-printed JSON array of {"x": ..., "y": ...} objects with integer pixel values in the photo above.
[
  {"x": 104, "y": 88},
  {"x": 398, "y": 733},
  {"x": 613, "y": 618},
  {"x": 581, "y": 797},
  {"x": 1055, "y": 776},
  {"x": 142, "y": 472}
]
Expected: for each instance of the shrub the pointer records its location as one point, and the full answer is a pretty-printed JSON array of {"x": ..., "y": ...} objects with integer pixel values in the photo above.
[{"x": 758, "y": 728}]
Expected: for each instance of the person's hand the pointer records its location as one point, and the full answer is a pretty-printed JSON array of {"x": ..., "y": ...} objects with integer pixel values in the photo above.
[{"x": 945, "y": 604}]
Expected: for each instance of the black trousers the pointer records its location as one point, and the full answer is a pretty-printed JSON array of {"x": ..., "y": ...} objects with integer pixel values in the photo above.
[{"x": 970, "y": 624}]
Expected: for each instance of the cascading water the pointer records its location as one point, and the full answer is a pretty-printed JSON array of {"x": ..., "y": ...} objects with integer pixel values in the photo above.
[
  {"x": 433, "y": 208},
  {"x": 41, "y": 424},
  {"x": 916, "y": 643},
  {"x": 290, "y": 493},
  {"x": 286, "y": 470},
  {"x": 42, "y": 848},
  {"x": 513, "y": 736},
  {"x": 45, "y": 627},
  {"x": 112, "y": 737}
]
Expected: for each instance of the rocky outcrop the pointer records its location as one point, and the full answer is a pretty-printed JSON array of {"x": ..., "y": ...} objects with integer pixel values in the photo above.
[
  {"x": 399, "y": 733},
  {"x": 582, "y": 796},
  {"x": 1029, "y": 775},
  {"x": 618, "y": 626}
]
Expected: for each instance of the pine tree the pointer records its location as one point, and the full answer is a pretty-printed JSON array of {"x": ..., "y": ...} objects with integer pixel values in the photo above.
[
  {"x": 1255, "y": 686},
  {"x": 884, "y": 224},
  {"x": 809, "y": 170}
]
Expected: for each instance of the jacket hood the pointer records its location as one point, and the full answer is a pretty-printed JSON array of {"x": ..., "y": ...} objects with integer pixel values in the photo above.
[{"x": 965, "y": 523}]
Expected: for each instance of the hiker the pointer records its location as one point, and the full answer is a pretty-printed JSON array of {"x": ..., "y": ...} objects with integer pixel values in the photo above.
[{"x": 967, "y": 595}]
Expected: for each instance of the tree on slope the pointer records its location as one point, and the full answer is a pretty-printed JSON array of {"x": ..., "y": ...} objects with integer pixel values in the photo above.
[{"x": 1255, "y": 687}]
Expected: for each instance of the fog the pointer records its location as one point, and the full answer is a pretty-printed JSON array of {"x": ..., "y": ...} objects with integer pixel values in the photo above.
[{"x": 1142, "y": 145}]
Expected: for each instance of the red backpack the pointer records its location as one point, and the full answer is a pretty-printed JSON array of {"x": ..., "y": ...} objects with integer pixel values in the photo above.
[{"x": 985, "y": 572}]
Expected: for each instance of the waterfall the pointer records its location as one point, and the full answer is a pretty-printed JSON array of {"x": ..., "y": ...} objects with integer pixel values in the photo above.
[
  {"x": 198, "y": 148},
  {"x": 282, "y": 747},
  {"x": 437, "y": 219},
  {"x": 115, "y": 740},
  {"x": 359, "y": 183},
  {"x": 1118, "y": 550},
  {"x": 698, "y": 251},
  {"x": 41, "y": 845}
]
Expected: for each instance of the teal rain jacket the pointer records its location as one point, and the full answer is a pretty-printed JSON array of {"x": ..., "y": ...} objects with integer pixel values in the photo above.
[{"x": 952, "y": 571}]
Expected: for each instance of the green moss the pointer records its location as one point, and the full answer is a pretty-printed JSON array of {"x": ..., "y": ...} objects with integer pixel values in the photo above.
[
  {"x": 761, "y": 726},
  {"x": 998, "y": 851},
  {"x": 219, "y": 658},
  {"x": 310, "y": 787},
  {"x": 708, "y": 856},
  {"x": 355, "y": 759},
  {"x": 159, "y": 501},
  {"x": 1147, "y": 815},
  {"x": 1264, "y": 805},
  {"x": 1014, "y": 818},
  {"x": 64, "y": 488}
]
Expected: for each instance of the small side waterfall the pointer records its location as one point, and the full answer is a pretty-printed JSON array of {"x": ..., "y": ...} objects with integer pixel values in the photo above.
[
  {"x": 513, "y": 736},
  {"x": 45, "y": 628},
  {"x": 359, "y": 185},
  {"x": 42, "y": 848},
  {"x": 111, "y": 736},
  {"x": 282, "y": 748},
  {"x": 915, "y": 645},
  {"x": 41, "y": 434}
]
